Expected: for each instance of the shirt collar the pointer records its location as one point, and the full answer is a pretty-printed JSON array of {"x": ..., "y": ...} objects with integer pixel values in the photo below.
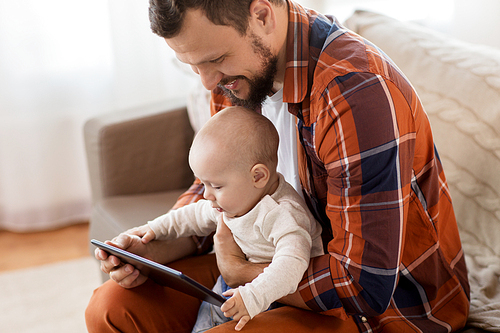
[{"x": 297, "y": 55}]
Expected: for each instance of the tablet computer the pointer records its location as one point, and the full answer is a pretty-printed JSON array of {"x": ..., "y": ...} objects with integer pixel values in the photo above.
[{"x": 163, "y": 275}]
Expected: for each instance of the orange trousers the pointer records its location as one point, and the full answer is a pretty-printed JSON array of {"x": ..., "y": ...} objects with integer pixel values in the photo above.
[{"x": 153, "y": 308}]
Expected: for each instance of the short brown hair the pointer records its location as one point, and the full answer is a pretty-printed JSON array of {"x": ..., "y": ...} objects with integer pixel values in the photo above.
[{"x": 166, "y": 16}]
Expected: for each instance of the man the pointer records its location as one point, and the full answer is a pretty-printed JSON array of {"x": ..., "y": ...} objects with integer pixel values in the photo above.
[{"x": 367, "y": 166}]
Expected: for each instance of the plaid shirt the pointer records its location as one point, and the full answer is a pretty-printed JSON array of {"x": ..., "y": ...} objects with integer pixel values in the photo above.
[{"x": 372, "y": 177}]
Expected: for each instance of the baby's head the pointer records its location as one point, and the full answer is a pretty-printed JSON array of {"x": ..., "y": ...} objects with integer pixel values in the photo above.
[{"x": 235, "y": 152}]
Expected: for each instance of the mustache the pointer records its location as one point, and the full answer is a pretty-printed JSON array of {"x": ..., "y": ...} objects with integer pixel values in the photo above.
[{"x": 227, "y": 80}]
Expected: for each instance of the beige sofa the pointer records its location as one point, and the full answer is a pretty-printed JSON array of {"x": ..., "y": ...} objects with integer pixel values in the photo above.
[{"x": 138, "y": 159}]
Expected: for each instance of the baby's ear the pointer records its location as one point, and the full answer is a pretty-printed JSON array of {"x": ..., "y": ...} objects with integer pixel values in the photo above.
[{"x": 260, "y": 174}]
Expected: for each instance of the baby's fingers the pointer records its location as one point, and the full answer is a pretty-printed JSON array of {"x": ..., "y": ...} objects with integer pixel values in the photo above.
[
  {"x": 148, "y": 236},
  {"x": 242, "y": 322},
  {"x": 228, "y": 305},
  {"x": 229, "y": 292}
]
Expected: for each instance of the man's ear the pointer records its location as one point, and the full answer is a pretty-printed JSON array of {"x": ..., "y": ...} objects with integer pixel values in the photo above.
[
  {"x": 260, "y": 175},
  {"x": 262, "y": 14}
]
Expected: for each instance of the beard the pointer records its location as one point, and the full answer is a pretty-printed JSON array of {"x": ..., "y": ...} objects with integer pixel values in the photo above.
[{"x": 261, "y": 85}]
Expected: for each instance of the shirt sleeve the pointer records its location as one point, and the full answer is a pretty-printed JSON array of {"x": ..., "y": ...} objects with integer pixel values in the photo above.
[
  {"x": 194, "y": 219},
  {"x": 287, "y": 228},
  {"x": 193, "y": 194},
  {"x": 365, "y": 139}
]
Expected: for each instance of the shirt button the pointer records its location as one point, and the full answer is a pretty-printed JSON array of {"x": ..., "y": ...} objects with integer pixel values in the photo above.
[{"x": 363, "y": 319}]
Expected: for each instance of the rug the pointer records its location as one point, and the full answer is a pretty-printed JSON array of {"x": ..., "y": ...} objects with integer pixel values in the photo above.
[{"x": 49, "y": 298}]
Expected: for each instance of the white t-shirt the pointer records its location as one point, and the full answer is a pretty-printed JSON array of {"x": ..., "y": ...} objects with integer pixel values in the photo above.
[{"x": 275, "y": 110}]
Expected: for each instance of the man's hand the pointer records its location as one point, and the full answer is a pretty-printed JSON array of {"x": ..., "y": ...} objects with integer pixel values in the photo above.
[
  {"x": 235, "y": 307},
  {"x": 231, "y": 261},
  {"x": 126, "y": 275},
  {"x": 160, "y": 251}
]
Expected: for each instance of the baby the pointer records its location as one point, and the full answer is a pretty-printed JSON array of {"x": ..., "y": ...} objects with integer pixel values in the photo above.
[{"x": 235, "y": 157}]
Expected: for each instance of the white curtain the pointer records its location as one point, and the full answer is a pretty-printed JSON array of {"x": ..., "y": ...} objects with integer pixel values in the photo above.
[{"x": 62, "y": 62}]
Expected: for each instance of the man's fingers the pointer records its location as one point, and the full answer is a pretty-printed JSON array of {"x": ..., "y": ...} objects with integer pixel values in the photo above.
[
  {"x": 125, "y": 276},
  {"x": 109, "y": 264},
  {"x": 121, "y": 273},
  {"x": 100, "y": 254}
]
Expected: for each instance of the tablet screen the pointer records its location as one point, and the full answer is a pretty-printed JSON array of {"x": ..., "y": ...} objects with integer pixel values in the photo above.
[{"x": 163, "y": 275}]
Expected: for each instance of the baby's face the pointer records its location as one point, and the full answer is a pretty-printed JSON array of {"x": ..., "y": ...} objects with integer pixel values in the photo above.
[{"x": 228, "y": 186}]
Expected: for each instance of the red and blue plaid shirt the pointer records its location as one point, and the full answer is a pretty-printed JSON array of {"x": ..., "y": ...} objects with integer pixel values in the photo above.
[{"x": 372, "y": 177}]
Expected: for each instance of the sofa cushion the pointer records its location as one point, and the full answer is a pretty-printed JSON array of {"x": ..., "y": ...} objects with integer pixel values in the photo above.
[
  {"x": 459, "y": 85},
  {"x": 113, "y": 215}
]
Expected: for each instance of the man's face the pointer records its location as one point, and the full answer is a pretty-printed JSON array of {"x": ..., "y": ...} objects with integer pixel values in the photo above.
[
  {"x": 242, "y": 66},
  {"x": 261, "y": 84}
]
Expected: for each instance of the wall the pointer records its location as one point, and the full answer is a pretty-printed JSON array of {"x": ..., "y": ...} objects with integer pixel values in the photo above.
[{"x": 471, "y": 21}]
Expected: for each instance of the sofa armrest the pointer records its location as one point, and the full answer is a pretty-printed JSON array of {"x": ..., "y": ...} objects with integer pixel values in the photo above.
[{"x": 142, "y": 150}]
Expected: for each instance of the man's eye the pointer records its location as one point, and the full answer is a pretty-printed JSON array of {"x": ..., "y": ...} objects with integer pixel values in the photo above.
[
  {"x": 218, "y": 60},
  {"x": 216, "y": 187}
]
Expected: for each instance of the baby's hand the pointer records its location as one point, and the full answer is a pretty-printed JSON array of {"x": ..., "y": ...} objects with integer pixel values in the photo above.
[
  {"x": 234, "y": 307},
  {"x": 145, "y": 232}
]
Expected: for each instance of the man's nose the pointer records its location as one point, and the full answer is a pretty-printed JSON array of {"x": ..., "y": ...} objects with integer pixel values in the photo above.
[{"x": 210, "y": 77}]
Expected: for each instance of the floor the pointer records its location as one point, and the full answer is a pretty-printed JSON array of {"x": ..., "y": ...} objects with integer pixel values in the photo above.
[{"x": 21, "y": 250}]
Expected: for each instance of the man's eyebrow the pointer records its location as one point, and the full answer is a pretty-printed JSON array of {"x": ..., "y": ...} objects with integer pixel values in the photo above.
[{"x": 211, "y": 58}]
